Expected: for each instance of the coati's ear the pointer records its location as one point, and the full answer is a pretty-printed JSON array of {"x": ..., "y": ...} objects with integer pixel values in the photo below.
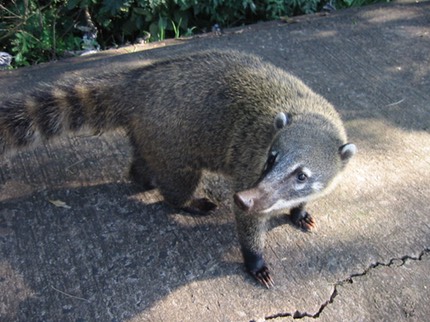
[
  {"x": 280, "y": 120},
  {"x": 346, "y": 151}
]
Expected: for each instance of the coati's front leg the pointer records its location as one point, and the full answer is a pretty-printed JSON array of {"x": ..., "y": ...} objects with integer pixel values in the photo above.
[
  {"x": 301, "y": 218},
  {"x": 251, "y": 230}
]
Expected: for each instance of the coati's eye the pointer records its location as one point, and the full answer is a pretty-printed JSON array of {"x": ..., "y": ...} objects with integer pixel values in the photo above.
[{"x": 301, "y": 177}]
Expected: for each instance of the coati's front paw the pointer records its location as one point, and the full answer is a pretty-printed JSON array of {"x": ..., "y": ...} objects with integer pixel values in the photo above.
[
  {"x": 199, "y": 206},
  {"x": 263, "y": 276},
  {"x": 256, "y": 266},
  {"x": 302, "y": 219},
  {"x": 305, "y": 223}
]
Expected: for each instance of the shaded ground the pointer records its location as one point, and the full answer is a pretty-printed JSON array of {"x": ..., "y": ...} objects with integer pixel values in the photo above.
[{"x": 117, "y": 255}]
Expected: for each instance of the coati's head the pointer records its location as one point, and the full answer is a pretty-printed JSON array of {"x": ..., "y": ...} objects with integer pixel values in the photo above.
[{"x": 301, "y": 165}]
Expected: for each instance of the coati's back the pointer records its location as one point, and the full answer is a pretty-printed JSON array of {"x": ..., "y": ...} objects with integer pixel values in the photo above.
[
  {"x": 208, "y": 102},
  {"x": 197, "y": 93},
  {"x": 217, "y": 108}
]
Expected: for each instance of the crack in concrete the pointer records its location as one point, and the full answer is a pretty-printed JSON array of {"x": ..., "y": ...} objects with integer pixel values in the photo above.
[{"x": 299, "y": 315}]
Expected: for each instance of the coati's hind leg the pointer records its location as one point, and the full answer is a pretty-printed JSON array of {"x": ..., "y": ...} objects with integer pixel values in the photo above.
[
  {"x": 301, "y": 218},
  {"x": 140, "y": 174},
  {"x": 178, "y": 188}
]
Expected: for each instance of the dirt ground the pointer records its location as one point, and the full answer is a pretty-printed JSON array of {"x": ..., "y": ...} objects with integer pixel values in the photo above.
[{"x": 114, "y": 254}]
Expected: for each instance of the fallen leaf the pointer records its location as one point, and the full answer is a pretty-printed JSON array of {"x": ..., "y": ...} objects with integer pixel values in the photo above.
[{"x": 60, "y": 204}]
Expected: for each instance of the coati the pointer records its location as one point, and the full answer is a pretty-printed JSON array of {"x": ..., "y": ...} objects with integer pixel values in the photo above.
[{"x": 280, "y": 144}]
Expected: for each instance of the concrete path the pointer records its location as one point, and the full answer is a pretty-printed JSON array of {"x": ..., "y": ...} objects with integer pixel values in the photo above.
[{"x": 117, "y": 255}]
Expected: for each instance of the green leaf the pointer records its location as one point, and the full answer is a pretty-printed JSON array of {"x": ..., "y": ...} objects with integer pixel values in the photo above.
[{"x": 140, "y": 11}]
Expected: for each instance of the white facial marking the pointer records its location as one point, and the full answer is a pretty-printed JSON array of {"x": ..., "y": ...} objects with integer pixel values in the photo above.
[
  {"x": 317, "y": 186},
  {"x": 307, "y": 171},
  {"x": 283, "y": 204},
  {"x": 280, "y": 204},
  {"x": 299, "y": 186},
  {"x": 293, "y": 168}
]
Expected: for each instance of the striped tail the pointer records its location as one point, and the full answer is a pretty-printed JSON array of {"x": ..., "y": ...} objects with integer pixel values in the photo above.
[{"x": 54, "y": 109}]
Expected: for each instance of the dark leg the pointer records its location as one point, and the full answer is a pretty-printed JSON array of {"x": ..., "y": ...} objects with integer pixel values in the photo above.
[
  {"x": 199, "y": 206},
  {"x": 178, "y": 188},
  {"x": 251, "y": 232},
  {"x": 301, "y": 218},
  {"x": 141, "y": 174},
  {"x": 139, "y": 171}
]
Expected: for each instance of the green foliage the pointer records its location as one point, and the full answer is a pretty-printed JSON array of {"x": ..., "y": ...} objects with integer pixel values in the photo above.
[
  {"x": 29, "y": 31},
  {"x": 356, "y": 3},
  {"x": 35, "y": 31}
]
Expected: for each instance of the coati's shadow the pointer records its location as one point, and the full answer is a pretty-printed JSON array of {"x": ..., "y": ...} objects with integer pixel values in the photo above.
[
  {"x": 108, "y": 248},
  {"x": 111, "y": 257}
]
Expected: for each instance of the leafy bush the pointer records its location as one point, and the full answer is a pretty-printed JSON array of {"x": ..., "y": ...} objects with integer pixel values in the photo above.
[{"x": 35, "y": 31}]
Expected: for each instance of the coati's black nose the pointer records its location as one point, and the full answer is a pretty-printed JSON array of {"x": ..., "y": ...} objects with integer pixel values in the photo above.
[
  {"x": 245, "y": 199},
  {"x": 243, "y": 203}
]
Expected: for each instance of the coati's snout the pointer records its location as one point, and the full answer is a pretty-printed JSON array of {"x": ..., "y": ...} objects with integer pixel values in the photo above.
[{"x": 263, "y": 199}]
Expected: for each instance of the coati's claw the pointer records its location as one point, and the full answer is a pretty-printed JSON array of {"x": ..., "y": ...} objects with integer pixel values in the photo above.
[
  {"x": 306, "y": 223},
  {"x": 263, "y": 276},
  {"x": 302, "y": 219}
]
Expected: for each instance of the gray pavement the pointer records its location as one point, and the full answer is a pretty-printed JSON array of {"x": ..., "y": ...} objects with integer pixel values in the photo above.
[{"x": 118, "y": 255}]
